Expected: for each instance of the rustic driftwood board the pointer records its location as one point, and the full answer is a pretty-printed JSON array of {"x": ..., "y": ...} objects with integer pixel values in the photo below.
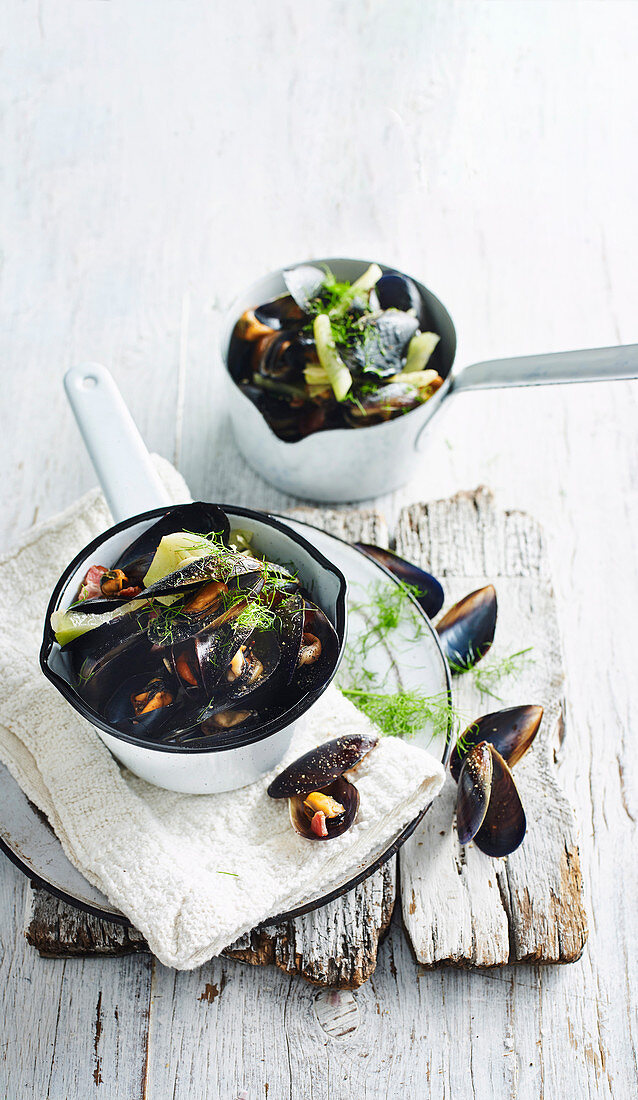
[{"x": 458, "y": 906}]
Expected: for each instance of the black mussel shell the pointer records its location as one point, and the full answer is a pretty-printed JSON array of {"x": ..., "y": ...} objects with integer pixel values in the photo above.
[
  {"x": 95, "y": 605},
  {"x": 119, "y": 710},
  {"x": 95, "y": 656},
  {"x": 504, "y": 824},
  {"x": 198, "y": 516},
  {"x": 429, "y": 594},
  {"x": 304, "y": 283},
  {"x": 281, "y": 313},
  {"x": 510, "y": 731},
  {"x": 223, "y": 566},
  {"x": 243, "y": 691},
  {"x": 383, "y": 404},
  {"x": 397, "y": 291},
  {"x": 384, "y": 346},
  {"x": 466, "y": 631},
  {"x": 473, "y": 795},
  {"x": 309, "y": 676},
  {"x": 175, "y": 624},
  {"x": 342, "y": 791},
  {"x": 321, "y": 766}
]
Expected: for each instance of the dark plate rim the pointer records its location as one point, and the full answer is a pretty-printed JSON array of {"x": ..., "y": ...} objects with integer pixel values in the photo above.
[{"x": 338, "y": 891}]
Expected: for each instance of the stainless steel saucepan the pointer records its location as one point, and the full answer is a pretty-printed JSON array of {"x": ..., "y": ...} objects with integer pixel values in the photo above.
[{"x": 355, "y": 464}]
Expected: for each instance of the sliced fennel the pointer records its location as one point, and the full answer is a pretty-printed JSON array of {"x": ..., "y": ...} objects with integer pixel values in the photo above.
[
  {"x": 68, "y": 625},
  {"x": 338, "y": 374},
  {"x": 420, "y": 349},
  {"x": 422, "y": 379}
]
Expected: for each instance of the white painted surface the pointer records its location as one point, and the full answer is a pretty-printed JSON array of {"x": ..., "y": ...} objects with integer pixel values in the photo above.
[{"x": 155, "y": 160}]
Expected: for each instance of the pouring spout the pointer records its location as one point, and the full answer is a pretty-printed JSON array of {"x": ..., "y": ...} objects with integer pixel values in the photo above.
[
  {"x": 122, "y": 462},
  {"x": 589, "y": 365}
]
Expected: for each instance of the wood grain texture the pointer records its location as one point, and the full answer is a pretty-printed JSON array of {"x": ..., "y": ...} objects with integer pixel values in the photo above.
[
  {"x": 486, "y": 147},
  {"x": 459, "y": 906}
]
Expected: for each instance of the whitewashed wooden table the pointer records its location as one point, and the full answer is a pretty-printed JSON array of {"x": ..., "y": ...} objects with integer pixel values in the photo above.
[{"x": 154, "y": 160}]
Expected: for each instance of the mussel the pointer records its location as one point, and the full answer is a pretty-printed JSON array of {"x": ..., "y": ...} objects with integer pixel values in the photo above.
[
  {"x": 427, "y": 591},
  {"x": 323, "y": 802},
  {"x": 222, "y": 643},
  {"x": 489, "y": 810},
  {"x": 466, "y": 631},
  {"x": 382, "y": 404},
  {"x": 384, "y": 346}
]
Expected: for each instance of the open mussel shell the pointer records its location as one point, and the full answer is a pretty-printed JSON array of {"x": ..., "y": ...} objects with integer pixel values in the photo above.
[
  {"x": 280, "y": 313},
  {"x": 198, "y": 516},
  {"x": 511, "y": 732},
  {"x": 488, "y": 806},
  {"x": 473, "y": 795},
  {"x": 383, "y": 404},
  {"x": 120, "y": 712},
  {"x": 343, "y": 792},
  {"x": 98, "y": 657},
  {"x": 225, "y": 566},
  {"x": 504, "y": 825},
  {"x": 429, "y": 592},
  {"x": 321, "y": 766},
  {"x": 466, "y": 631},
  {"x": 311, "y": 670}
]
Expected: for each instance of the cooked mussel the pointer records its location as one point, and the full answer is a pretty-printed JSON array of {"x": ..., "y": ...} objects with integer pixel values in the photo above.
[
  {"x": 198, "y": 516},
  {"x": 143, "y": 705},
  {"x": 466, "y": 631},
  {"x": 511, "y": 731},
  {"x": 323, "y": 802},
  {"x": 488, "y": 806},
  {"x": 318, "y": 648},
  {"x": 382, "y": 404},
  {"x": 384, "y": 346},
  {"x": 427, "y": 591}
]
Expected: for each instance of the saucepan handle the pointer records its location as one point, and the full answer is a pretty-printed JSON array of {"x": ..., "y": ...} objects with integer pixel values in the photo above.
[
  {"x": 122, "y": 463},
  {"x": 590, "y": 365}
]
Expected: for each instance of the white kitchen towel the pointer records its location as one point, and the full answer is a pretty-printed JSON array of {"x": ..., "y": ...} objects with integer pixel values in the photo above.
[{"x": 192, "y": 872}]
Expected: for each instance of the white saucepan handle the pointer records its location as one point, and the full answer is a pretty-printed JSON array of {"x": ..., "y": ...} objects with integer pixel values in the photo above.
[{"x": 122, "y": 463}]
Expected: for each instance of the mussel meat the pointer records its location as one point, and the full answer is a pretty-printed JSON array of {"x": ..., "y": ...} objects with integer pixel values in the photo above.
[
  {"x": 466, "y": 631},
  {"x": 427, "y": 591},
  {"x": 323, "y": 802}
]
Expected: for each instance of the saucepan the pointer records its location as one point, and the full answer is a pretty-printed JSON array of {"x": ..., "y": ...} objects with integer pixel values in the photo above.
[
  {"x": 358, "y": 463},
  {"x": 138, "y": 499}
]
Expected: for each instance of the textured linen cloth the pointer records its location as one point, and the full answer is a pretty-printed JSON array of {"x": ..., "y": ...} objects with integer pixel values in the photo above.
[{"x": 192, "y": 872}]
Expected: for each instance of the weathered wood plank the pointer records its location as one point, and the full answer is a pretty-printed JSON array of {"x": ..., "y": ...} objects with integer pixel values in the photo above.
[{"x": 459, "y": 906}]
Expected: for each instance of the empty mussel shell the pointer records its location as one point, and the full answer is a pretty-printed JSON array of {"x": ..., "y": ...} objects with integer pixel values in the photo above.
[
  {"x": 473, "y": 795},
  {"x": 488, "y": 806},
  {"x": 343, "y": 792},
  {"x": 504, "y": 824},
  {"x": 466, "y": 631},
  {"x": 511, "y": 732},
  {"x": 427, "y": 591},
  {"x": 321, "y": 766}
]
